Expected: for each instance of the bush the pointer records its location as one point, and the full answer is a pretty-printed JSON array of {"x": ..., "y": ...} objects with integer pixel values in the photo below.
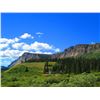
[
  {"x": 52, "y": 80},
  {"x": 14, "y": 79},
  {"x": 83, "y": 80}
]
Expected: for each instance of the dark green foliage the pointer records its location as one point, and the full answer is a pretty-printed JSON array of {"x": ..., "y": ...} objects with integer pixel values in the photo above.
[
  {"x": 46, "y": 69},
  {"x": 52, "y": 80},
  {"x": 31, "y": 74},
  {"x": 87, "y": 80},
  {"x": 76, "y": 65}
]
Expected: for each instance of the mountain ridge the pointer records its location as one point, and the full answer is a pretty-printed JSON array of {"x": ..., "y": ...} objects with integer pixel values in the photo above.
[{"x": 72, "y": 51}]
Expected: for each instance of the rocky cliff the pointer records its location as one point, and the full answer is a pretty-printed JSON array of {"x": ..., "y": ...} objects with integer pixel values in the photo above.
[{"x": 77, "y": 50}]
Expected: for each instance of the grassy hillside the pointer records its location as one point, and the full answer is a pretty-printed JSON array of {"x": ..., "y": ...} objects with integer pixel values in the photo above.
[{"x": 31, "y": 75}]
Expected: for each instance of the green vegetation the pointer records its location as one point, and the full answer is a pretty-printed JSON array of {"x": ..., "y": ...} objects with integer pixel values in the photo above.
[
  {"x": 31, "y": 75},
  {"x": 76, "y": 65},
  {"x": 82, "y": 71}
]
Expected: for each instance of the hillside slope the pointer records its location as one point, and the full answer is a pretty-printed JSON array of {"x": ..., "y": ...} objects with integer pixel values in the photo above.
[{"x": 31, "y": 75}]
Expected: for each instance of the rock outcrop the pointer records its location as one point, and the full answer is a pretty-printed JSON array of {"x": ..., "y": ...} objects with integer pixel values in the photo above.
[
  {"x": 77, "y": 50},
  {"x": 80, "y": 50}
]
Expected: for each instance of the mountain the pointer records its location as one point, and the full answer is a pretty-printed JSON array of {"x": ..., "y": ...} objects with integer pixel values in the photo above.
[
  {"x": 74, "y": 51},
  {"x": 78, "y": 50},
  {"x": 30, "y": 57},
  {"x": 94, "y": 54},
  {"x": 3, "y": 68}
]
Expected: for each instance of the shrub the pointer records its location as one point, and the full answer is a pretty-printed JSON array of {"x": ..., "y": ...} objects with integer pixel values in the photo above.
[
  {"x": 82, "y": 80},
  {"x": 52, "y": 80}
]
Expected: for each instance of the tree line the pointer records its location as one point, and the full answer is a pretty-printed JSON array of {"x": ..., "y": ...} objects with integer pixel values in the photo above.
[
  {"x": 40, "y": 60},
  {"x": 74, "y": 65}
]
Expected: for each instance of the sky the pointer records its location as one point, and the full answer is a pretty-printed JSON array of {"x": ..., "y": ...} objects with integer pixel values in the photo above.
[{"x": 45, "y": 33}]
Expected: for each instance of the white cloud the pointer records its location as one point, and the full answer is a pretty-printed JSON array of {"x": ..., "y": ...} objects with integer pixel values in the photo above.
[
  {"x": 14, "y": 54},
  {"x": 57, "y": 50},
  {"x": 5, "y": 40},
  {"x": 40, "y": 46},
  {"x": 39, "y": 33},
  {"x": 2, "y": 46},
  {"x": 26, "y": 35},
  {"x": 26, "y": 47},
  {"x": 22, "y": 46},
  {"x": 11, "y": 53},
  {"x": 92, "y": 42},
  {"x": 5, "y": 43},
  {"x": 17, "y": 45},
  {"x": 16, "y": 39},
  {"x": 36, "y": 46},
  {"x": 13, "y": 48},
  {"x": 47, "y": 52},
  {"x": 8, "y": 41}
]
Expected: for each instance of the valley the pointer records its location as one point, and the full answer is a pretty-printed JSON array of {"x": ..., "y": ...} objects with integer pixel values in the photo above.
[{"x": 77, "y": 66}]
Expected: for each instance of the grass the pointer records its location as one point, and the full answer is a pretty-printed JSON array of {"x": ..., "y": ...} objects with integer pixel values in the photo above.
[{"x": 31, "y": 75}]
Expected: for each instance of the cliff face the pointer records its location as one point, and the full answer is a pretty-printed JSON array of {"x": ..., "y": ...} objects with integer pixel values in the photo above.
[
  {"x": 69, "y": 52},
  {"x": 77, "y": 50},
  {"x": 28, "y": 56}
]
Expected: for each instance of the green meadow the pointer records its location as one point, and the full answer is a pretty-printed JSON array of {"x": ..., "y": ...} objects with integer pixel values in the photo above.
[{"x": 31, "y": 75}]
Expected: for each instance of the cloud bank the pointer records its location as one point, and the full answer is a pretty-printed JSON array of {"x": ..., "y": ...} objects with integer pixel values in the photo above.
[{"x": 13, "y": 48}]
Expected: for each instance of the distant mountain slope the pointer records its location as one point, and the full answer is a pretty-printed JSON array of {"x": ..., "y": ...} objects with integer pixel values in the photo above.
[
  {"x": 29, "y": 56},
  {"x": 77, "y": 50},
  {"x": 74, "y": 51},
  {"x": 3, "y": 68}
]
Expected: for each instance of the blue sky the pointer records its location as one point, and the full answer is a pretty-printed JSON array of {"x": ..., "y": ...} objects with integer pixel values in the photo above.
[{"x": 46, "y": 32}]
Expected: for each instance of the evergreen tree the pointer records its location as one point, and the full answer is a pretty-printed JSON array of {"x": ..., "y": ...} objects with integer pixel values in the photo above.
[{"x": 46, "y": 69}]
